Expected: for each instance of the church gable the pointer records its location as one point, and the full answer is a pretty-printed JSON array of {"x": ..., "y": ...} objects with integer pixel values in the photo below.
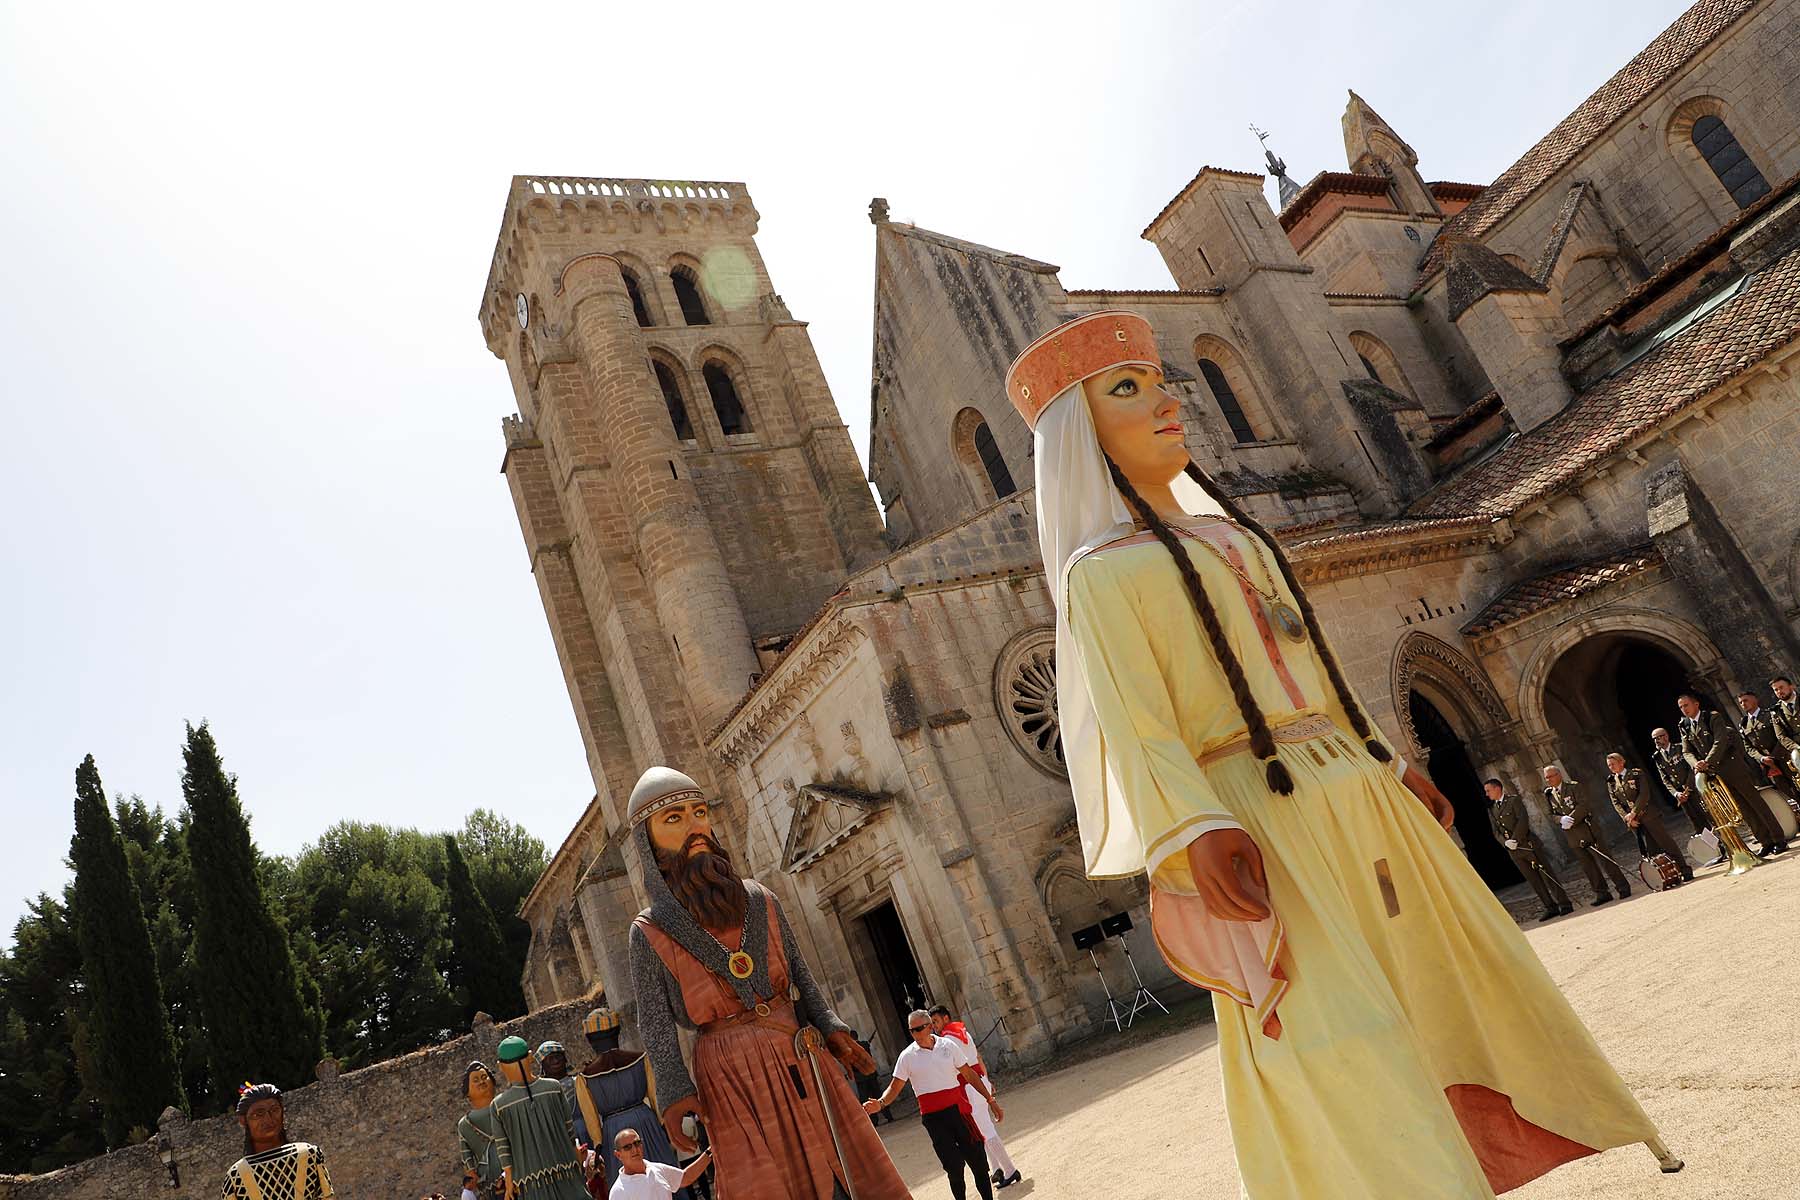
[{"x": 825, "y": 815}]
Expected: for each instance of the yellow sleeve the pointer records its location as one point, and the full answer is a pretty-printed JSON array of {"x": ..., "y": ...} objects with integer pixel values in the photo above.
[{"x": 1145, "y": 757}]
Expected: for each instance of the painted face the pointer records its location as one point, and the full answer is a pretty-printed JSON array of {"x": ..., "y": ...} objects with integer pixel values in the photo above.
[
  {"x": 481, "y": 1089},
  {"x": 263, "y": 1121},
  {"x": 1689, "y": 707},
  {"x": 671, "y": 829},
  {"x": 1138, "y": 423}
]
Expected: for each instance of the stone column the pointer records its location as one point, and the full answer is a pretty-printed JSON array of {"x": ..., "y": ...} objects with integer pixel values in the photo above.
[
  {"x": 695, "y": 602},
  {"x": 1735, "y": 608}
]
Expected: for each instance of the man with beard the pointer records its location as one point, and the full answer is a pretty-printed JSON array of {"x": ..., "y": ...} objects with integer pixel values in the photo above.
[
  {"x": 714, "y": 953},
  {"x": 1717, "y": 749}
]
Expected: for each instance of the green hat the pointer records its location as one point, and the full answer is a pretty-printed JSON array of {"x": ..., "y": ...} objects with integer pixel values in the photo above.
[{"x": 513, "y": 1049}]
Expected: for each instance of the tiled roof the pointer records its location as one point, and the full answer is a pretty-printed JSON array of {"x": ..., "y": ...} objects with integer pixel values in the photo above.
[
  {"x": 1102, "y": 292},
  {"x": 1326, "y": 183},
  {"x": 1388, "y": 529},
  {"x": 1475, "y": 271},
  {"x": 1633, "y": 83},
  {"x": 1198, "y": 176},
  {"x": 1565, "y": 583},
  {"x": 1760, "y": 319},
  {"x": 1466, "y": 420},
  {"x": 1444, "y": 189}
]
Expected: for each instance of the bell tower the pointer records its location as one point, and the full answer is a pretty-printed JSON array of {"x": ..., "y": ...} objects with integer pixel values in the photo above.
[{"x": 687, "y": 491}]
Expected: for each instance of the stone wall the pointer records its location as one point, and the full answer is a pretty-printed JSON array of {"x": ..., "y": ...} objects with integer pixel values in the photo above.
[{"x": 388, "y": 1131}]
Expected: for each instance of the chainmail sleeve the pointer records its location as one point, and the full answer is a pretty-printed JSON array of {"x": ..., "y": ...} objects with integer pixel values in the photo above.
[
  {"x": 656, "y": 1021},
  {"x": 813, "y": 1007}
]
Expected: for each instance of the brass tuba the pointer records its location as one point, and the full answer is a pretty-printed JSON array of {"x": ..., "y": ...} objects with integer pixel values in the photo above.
[{"x": 1725, "y": 817}]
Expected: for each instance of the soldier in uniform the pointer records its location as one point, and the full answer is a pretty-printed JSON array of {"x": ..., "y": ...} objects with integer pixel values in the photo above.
[
  {"x": 1717, "y": 749},
  {"x": 1677, "y": 775},
  {"x": 1513, "y": 828},
  {"x": 1785, "y": 716},
  {"x": 1570, "y": 808},
  {"x": 1629, "y": 790},
  {"x": 1762, "y": 746}
]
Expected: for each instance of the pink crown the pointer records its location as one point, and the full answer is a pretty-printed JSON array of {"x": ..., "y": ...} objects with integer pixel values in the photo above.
[{"x": 1074, "y": 351}]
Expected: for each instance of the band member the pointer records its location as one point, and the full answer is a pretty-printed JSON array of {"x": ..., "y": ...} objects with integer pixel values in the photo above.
[
  {"x": 1629, "y": 790},
  {"x": 273, "y": 1168},
  {"x": 1513, "y": 829},
  {"x": 942, "y": 1073},
  {"x": 1785, "y": 715},
  {"x": 1717, "y": 750},
  {"x": 1005, "y": 1173},
  {"x": 1384, "y": 1029},
  {"x": 715, "y": 953},
  {"x": 1677, "y": 775},
  {"x": 1569, "y": 806},
  {"x": 1762, "y": 745}
]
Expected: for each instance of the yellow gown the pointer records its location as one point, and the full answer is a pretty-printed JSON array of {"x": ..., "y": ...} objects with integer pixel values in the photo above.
[{"x": 1391, "y": 1034}]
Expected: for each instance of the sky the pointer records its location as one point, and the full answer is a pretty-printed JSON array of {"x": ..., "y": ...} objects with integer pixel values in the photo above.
[{"x": 249, "y": 466}]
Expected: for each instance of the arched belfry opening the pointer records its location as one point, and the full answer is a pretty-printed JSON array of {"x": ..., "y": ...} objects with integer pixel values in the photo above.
[{"x": 1452, "y": 767}]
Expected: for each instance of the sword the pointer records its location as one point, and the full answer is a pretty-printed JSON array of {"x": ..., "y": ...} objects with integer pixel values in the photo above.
[{"x": 808, "y": 1043}]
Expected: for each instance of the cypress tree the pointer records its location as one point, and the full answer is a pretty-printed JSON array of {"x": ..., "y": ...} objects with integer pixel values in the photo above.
[
  {"x": 132, "y": 1063},
  {"x": 481, "y": 970},
  {"x": 258, "y": 1027}
]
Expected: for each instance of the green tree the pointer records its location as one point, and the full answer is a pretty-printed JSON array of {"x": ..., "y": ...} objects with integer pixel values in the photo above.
[
  {"x": 46, "y": 1118},
  {"x": 131, "y": 1059},
  {"x": 483, "y": 977},
  {"x": 258, "y": 1025},
  {"x": 372, "y": 903},
  {"x": 156, "y": 847},
  {"x": 505, "y": 862}
]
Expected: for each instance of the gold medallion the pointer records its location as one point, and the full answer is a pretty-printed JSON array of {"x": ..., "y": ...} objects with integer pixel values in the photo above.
[
  {"x": 740, "y": 965},
  {"x": 1288, "y": 621}
]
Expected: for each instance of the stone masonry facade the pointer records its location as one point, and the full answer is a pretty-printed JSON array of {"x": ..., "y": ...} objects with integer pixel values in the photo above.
[{"x": 1528, "y": 442}]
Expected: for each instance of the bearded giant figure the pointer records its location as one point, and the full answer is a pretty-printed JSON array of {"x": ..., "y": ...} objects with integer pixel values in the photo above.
[{"x": 714, "y": 953}]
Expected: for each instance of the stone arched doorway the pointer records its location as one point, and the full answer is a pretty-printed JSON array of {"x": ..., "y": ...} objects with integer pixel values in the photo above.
[
  {"x": 1448, "y": 761},
  {"x": 1607, "y": 693}
]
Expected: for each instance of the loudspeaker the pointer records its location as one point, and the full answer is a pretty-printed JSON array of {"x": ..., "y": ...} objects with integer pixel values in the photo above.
[
  {"x": 1087, "y": 939},
  {"x": 1116, "y": 926}
]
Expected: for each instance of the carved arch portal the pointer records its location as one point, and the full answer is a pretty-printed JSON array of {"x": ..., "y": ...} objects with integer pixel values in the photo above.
[{"x": 1460, "y": 682}]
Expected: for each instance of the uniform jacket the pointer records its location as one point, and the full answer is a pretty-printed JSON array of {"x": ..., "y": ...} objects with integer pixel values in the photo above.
[
  {"x": 1566, "y": 800},
  {"x": 1784, "y": 715},
  {"x": 1630, "y": 794},
  {"x": 1760, "y": 738},
  {"x": 1511, "y": 821},
  {"x": 1676, "y": 771},
  {"x": 1717, "y": 748}
]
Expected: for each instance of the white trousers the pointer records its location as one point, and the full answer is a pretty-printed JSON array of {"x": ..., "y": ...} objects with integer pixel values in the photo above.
[{"x": 998, "y": 1158}]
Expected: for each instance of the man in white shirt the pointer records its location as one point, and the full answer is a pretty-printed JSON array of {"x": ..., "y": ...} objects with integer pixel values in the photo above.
[
  {"x": 1005, "y": 1173},
  {"x": 640, "y": 1180},
  {"x": 938, "y": 1068}
]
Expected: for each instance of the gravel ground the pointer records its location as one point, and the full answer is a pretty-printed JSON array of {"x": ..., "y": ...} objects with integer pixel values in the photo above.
[{"x": 1694, "y": 993}]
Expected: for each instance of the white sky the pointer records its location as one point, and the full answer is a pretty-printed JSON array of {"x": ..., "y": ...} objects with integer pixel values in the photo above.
[{"x": 249, "y": 465}]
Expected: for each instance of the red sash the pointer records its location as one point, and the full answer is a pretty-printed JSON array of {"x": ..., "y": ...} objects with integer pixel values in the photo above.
[{"x": 956, "y": 1097}]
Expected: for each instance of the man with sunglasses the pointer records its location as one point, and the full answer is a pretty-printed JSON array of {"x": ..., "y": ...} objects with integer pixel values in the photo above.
[
  {"x": 938, "y": 1068},
  {"x": 642, "y": 1180}
]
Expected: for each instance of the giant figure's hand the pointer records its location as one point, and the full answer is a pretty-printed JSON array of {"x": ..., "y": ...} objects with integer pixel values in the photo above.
[
  {"x": 1438, "y": 804},
  {"x": 1213, "y": 857},
  {"x": 845, "y": 1049},
  {"x": 687, "y": 1106}
]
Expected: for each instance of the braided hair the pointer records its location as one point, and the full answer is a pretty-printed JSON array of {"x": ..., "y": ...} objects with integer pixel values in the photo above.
[
  {"x": 1262, "y": 741},
  {"x": 249, "y": 1094}
]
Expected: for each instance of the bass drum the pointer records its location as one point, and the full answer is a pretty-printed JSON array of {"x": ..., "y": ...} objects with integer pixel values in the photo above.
[{"x": 1784, "y": 813}]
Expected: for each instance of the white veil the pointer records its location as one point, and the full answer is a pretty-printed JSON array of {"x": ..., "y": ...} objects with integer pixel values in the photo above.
[{"x": 1079, "y": 509}]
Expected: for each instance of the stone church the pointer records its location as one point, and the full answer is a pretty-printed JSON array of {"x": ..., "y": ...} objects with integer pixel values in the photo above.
[{"x": 1532, "y": 445}]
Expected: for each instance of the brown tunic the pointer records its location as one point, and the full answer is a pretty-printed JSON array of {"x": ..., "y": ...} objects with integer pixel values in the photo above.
[{"x": 769, "y": 1135}]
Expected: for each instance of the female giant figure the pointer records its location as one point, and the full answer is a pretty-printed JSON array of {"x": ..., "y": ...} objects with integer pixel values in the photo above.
[{"x": 1389, "y": 1032}]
